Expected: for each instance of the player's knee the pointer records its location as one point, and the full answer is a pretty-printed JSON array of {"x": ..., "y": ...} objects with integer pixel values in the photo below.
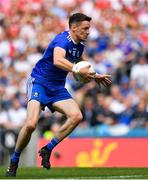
[
  {"x": 30, "y": 126},
  {"x": 76, "y": 117},
  {"x": 79, "y": 117}
]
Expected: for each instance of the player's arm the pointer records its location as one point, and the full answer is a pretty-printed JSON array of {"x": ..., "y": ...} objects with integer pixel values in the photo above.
[
  {"x": 102, "y": 79},
  {"x": 99, "y": 78},
  {"x": 61, "y": 62}
]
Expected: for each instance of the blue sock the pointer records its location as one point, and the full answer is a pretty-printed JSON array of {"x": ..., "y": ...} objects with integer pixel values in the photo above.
[
  {"x": 52, "y": 143},
  {"x": 15, "y": 157}
]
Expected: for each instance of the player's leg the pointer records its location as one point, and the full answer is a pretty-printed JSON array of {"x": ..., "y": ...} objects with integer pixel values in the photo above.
[
  {"x": 70, "y": 108},
  {"x": 33, "y": 112}
]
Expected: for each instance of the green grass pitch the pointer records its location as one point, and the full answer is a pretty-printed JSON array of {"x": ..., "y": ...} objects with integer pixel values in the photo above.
[{"x": 79, "y": 173}]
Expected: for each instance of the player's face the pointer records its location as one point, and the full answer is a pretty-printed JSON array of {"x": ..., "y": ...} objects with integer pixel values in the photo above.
[{"x": 82, "y": 30}]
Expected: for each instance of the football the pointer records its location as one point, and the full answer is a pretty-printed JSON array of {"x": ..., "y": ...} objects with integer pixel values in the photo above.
[{"x": 80, "y": 65}]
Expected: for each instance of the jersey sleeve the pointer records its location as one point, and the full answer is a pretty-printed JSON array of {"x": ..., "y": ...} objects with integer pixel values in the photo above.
[{"x": 61, "y": 42}]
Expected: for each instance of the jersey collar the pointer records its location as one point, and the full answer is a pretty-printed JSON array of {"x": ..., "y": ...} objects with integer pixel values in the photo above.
[{"x": 72, "y": 39}]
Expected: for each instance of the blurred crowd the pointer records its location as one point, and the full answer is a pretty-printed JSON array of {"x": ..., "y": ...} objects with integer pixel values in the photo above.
[{"x": 117, "y": 45}]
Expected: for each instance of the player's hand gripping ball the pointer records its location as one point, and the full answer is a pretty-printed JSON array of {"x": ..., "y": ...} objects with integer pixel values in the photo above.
[{"x": 77, "y": 68}]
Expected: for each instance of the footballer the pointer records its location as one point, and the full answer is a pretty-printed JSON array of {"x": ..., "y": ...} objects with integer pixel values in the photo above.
[{"x": 46, "y": 88}]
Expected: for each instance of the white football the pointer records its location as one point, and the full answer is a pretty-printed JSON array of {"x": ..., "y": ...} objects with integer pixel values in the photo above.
[{"x": 80, "y": 65}]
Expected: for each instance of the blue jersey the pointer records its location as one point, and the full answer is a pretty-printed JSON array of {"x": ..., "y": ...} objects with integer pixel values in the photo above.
[{"x": 45, "y": 72}]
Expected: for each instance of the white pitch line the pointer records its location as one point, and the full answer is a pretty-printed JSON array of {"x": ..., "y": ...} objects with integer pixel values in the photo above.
[
  {"x": 102, "y": 177},
  {"x": 99, "y": 177}
]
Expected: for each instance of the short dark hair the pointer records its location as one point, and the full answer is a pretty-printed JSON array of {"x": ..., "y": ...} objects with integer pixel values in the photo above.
[{"x": 78, "y": 17}]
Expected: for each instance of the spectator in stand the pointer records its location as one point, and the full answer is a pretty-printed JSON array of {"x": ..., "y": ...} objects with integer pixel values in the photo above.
[
  {"x": 17, "y": 115},
  {"x": 89, "y": 112},
  {"x": 139, "y": 72},
  {"x": 4, "y": 120},
  {"x": 140, "y": 116},
  {"x": 125, "y": 88},
  {"x": 117, "y": 106},
  {"x": 126, "y": 116}
]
